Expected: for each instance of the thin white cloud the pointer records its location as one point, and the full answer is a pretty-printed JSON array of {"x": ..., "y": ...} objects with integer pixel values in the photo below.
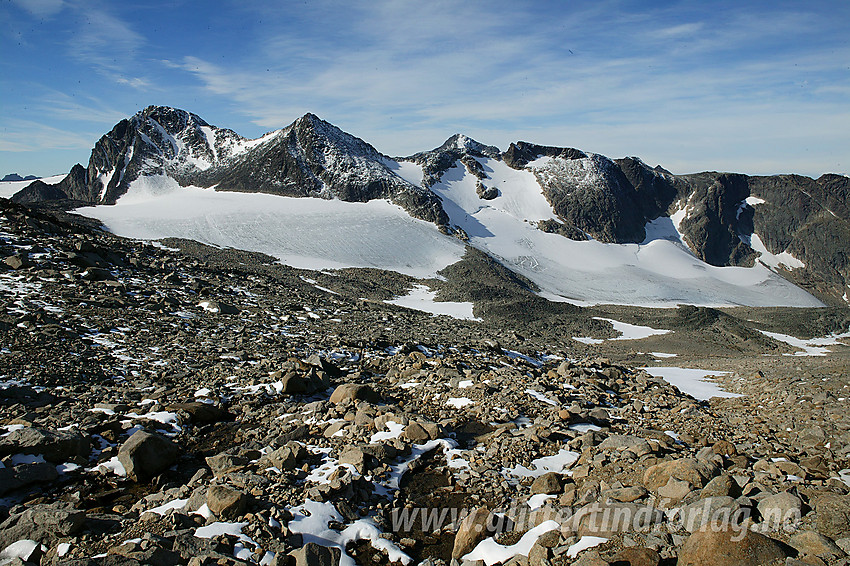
[
  {"x": 81, "y": 108},
  {"x": 107, "y": 43},
  {"x": 400, "y": 71},
  {"x": 30, "y": 136},
  {"x": 41, "y": 8}
]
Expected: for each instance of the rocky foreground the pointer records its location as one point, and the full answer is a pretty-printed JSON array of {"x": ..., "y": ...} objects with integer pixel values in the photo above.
[{"x": 156, "y": 408}]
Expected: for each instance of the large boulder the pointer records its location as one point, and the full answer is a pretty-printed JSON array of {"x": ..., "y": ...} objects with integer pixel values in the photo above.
[
  {"x": 55, "y": 445},
  {"x": 12, "y": 478},
  {"x": 42, "y": 523},
  {"x": 717, "y": 512},
  {"x": 144, "y": 455},
  {"x": 474, "y": 528},
  {"x": 287, "y": 457},
  {"x": 202, "y": 412},
  {"x": 778, "y": 509},
  {"x": 549, "y": 483},
  {"x": 226, "y": 502},
  {"x": 312, "y": 554},
  {"x": 625, "y": 442},
  {"x": 353, "y": 392},
  {"x": 696, "y": 472},
  {"x": 815, "y": 544},
  {"x": 608, "y": 519},
  {"x": 833, "y": 513},
  {"x": 711, "y": 547}
]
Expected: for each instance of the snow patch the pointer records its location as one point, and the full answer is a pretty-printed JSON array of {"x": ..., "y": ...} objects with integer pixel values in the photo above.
[
  {"x": 692, "y": 381},
  {"x": 783, "y": 259},
  {"x": 556, "y": 463},
  {"x": 811, "y": 347},
  {"x": 421, "y": 298},
  {"x": 632, "y": 331},
  {"x": 492, "y": 552},
  {"x": 311, "y": 520}
]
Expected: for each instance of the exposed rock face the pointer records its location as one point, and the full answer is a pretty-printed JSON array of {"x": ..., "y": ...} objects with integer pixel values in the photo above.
[
  {"x": 308, "y": 158},
  {"x": 314, "y": 158},
  {"x": 41, "y": 523},
  {"x": 39, "y": 191}
]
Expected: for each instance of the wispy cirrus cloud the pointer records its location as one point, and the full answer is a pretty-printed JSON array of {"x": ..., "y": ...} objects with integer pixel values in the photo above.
[
  {"x": 41, "y": 8},
  {"x": 31, "y": 136},
  {"x": 81, "y": 108},
  {"x": 106, "y": 43}
]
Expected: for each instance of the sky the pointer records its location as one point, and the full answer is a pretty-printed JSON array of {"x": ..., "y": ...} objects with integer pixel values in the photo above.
[{"x": 758, "y": 87}]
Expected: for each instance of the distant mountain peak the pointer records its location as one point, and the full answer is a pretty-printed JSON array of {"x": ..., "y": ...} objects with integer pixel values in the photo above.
[
  {"x": 465, "y": 144},
  {"x": 16, "y": 177}
]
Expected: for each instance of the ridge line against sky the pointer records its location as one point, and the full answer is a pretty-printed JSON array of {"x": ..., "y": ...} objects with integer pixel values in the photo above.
[{"x": 762, "y": 88}]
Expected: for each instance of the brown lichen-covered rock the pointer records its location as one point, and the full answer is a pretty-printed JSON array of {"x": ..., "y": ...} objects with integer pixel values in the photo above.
[
  {"x": 730, "y": 547},
  {"x": 696, "y": 472},
  {"x": 226, "y": 502},
  {"x": 472, "y": 530},
  {"x": 353, "y": 392},
  {"x": 833, "y": 513}
]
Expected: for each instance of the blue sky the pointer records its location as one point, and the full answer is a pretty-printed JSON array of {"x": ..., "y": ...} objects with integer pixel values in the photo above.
[{"x": 756, "y": 87}]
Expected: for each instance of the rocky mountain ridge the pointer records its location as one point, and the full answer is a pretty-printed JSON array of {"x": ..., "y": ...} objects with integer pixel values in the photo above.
[{"x": 801, "y": 225}]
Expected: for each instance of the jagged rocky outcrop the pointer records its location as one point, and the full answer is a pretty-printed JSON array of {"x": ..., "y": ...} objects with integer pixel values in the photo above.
[
  {"x": 457, "y": 148},
  {"x": 308, "y": 158},
  {"x": 312, "y": 157}
]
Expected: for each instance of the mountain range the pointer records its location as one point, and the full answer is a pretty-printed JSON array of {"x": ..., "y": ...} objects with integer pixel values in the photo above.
[{"x": 795, "y": 226}]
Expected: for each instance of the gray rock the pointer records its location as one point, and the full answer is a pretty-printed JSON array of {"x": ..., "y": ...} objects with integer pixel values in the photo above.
[
  {"x": 621, "y": 442},
  {"x": 473, "y": 529},
  {"x": 42, "y": 523},
  {"x": 778, "y": 509},
  {"x": 224, "y": 463},
  {"x": 287, "y": 457},
  {"x": 56, "y": 446},
  {"x": 816, "y": 544},
  {"x": 549, "y": 483},
  {"x": 353, "y": 392},
  {"x": 145, "y": 455},
  {"x": 624, "y": 494},
  {"x": 711, "y": 511},
  {"x": 312, "y": 554},
  {"x": 226, "y": 502},
  {"x": 696, "y": 472},
  {"x": 711, "y": 547},
  {"x": 722, "y": 485},
  {"x": 833, "y": 512},
  {"x": 17, "y": 261},
  {"x": 358, "y": 457},
  {"x": 674, "y": 489},
  {"x": 608, "y": 519}
]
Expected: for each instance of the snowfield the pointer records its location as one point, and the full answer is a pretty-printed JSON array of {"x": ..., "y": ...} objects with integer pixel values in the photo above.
[
  {"x": 319, "y": 234},
  {"x": 660, "y": 272},
  {"x": 307, "y": 233}
]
